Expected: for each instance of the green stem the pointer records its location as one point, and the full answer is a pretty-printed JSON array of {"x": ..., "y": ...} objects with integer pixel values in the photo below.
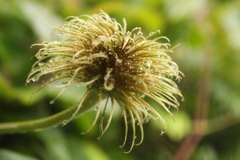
[{"x": 51, "y": 121}]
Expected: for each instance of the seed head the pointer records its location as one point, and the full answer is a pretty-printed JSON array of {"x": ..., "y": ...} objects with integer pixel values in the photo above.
[{"x": 101, "y": 54}]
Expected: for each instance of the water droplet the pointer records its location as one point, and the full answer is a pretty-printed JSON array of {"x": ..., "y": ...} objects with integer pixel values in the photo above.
[
  {"x": 52, "y": 102},
  {"x": 162, "y": 132},
  {"x": 131, "y": 87},
  {"x": 40, "y": 63},
  {"x": 35, "y": 78},
  {"x": 151, "y": 33},
  {"x": 65, "y": 122},
  {"x": 149, "y": 63},
  {"x": 140, "y": 33},
  {"x": 119, "y": 61},
  {"x": 64, "y": 82},
  {"x": 142, "y": 96}
]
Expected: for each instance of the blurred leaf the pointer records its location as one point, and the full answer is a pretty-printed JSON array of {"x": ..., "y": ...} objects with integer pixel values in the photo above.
[
  {"x": 11, "y": 155},
  {"x": 182, "y": 9},
  {"x": 39, "y": 17},
  {"x": 55, "y": 143},
  {"x": 65, "y": 147},
  {"x": 205, "y": 152},
  {"x": 6, "y": 90},
  {"x": 228, "y": 17},
  {"x": 231, "y": 103}
]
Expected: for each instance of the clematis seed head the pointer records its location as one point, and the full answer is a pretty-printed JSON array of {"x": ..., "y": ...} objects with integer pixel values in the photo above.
[{"x": 101, "y": 54}]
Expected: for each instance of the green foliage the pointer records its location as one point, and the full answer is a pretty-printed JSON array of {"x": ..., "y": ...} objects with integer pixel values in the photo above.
[{"x": 208, "y": 32}]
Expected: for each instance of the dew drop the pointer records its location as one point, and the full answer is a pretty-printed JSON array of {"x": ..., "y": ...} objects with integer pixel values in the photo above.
[
  {"x": 131, "y": 87},
  {"x": 168, "y": 106},
  {"x": 40, "y": 63},
  {"x": 119, "y": 61},
  {"x": 35, "y": 79},
  {"x": 52, "y": 102},
  {"x": 65, "y": 122},
  {"x": 64, "y": 82},
  {"x": 140, "y": 33},
  {"x": 162, "y": 132},
  {"x": 142, "y": 96},
  {"x": 151, "y": 33},
  {"x": 149, "y": 63}
]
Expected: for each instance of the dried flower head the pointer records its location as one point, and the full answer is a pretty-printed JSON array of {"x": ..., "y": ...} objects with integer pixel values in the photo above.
[{"x": 124, "y": 65}]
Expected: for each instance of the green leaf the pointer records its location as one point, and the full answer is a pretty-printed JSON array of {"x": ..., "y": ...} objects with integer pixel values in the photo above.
[{"x": 11, "y": 155}]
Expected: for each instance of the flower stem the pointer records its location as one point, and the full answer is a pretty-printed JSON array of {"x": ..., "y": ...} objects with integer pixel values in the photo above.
[{"x": 51, "y": 121}]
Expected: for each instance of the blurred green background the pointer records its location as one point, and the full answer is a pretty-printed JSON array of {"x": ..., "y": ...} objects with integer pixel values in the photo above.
[{"x": 206, "y": 125}]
